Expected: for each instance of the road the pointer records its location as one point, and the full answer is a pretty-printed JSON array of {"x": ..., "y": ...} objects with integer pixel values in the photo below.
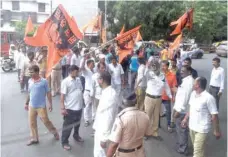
[{"x": 15, "y": 131}]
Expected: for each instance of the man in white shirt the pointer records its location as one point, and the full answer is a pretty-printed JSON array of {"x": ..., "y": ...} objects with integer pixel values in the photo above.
[
  {"x": 71, "y": 106},
  {"x": 96, "y": 89},
  {"x": 202, "y": 112},
  {"x": 141, "y": 84},
  {"x": 20, "y": 63},
  {"x": 101, "y": 60},
  {"x": 156, "y": 83},
  {"x": 87, "y": 72},
  {"x": 25, "y": 74},
  {"x": 76, "y": 57},
  {"x": 105, "y": 116},
  {"x": 117, "y": 73},
  {"x": 180, "y": 108},
  {"x": 217, "y": 80}
]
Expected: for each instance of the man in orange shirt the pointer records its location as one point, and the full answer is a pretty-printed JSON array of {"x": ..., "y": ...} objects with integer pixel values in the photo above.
[{"x": 172, "y": 82}]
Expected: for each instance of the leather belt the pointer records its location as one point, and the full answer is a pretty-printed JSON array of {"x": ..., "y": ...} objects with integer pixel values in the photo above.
[
  {"x": 153, "y": 96},
  {"x": 57, "y": 69},
  {"x": 129, "y": 150},
  {"x": 214, "y": 87},
  {"x": 87, "y": 90}
]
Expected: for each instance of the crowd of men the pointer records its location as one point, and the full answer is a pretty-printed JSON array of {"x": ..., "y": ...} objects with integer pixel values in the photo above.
[{"x": 93, "y": 87}]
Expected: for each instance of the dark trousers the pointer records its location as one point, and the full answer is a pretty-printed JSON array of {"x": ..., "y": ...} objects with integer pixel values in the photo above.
[
  {"x": 82, "y": 78},
  {"x": 18, "y": 74},
  {"x": 132, "y": 81},
  {"x": 182, "y": 135},
  {"x": 71, "y": 120},
  {"x": 25, "y": 82},
  {"x": 167, "y": 104},
  {"x": 64, "y": 75},
  {"x": 65, "y": 71},
  {"x": 214, "y": 91}
]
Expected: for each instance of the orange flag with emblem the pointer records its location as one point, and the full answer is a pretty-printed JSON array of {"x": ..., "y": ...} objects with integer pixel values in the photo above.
[
  {"x": 126, "y": 41},
  {"x": 59, "y": 33}
]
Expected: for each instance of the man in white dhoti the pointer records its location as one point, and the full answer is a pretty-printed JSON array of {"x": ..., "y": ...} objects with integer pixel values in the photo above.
[{"x": 105, "y": 116}]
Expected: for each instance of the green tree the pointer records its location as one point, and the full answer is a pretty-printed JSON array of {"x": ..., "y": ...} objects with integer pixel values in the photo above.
[
  {"x": 20, "y": 29},
  {"x": 155, "y": 16}
]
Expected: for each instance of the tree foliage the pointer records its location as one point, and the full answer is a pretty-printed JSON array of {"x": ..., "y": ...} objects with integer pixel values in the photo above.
[
  {"x": 210, "y": 18},
  {"x": 20, "y": 29}
]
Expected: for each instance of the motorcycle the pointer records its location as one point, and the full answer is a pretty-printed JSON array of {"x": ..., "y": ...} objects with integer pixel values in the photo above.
[{"x": 8, "y": 64}]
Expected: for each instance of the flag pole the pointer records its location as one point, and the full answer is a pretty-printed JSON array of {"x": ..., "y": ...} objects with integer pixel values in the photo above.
[
  {"x": 101, "y": 46},
  {"x": 100, "y": 22}
]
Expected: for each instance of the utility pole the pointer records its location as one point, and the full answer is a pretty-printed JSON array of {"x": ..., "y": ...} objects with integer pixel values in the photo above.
[
  {"x": 51, "y": 6},
  {"x": 105, "y": 22}
]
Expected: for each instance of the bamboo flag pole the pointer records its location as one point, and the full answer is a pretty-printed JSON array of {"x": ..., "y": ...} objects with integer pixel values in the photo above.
[{"x": 101, "y": 46}]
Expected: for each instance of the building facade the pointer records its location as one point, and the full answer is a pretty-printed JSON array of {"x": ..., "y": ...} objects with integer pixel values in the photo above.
[{"x": 19, "y": 10}]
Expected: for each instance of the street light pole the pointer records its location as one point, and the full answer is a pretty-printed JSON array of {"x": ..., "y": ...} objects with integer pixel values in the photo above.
[{"x": 51, "y": 6}]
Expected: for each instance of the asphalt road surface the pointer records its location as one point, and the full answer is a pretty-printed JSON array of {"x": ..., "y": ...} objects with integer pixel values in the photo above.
[{"x": 15, "y": 131}]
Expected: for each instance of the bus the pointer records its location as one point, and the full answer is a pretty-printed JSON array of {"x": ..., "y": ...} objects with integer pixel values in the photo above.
[{"x": 7, "y": 37}]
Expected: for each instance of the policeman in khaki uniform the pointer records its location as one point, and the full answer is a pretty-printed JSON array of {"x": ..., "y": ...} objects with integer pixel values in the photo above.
[{"x": 130, "y": 126}]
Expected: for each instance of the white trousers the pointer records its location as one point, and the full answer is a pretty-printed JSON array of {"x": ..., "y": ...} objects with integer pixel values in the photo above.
[
  {"x": 88, "y": 106},
  {"x": 118, "y": 89},
  {"x": 98, "y": 150},
  {"x": 94, "y": 107}
]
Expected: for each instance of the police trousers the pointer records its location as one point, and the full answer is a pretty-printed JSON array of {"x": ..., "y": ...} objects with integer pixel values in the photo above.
[
  {"x": 55, "y": 81},
  {"x": 137, "y": 153},
  {"x": 152, "y": 108},
  {"x": 140, "y": 94}
]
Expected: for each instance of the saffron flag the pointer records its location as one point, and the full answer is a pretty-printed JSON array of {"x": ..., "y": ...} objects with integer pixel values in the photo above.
[
  {"x": 122, "y": 30},
  {"x": 104, "y": 37},
  {"x": 125, "y": 42},
  {"x": 94, "y": 24},
  {"x": 29, "y": 26},
  {"x": 174, "y": 46},
  {"x": 138, "y": 37},
  {"x": 185, "y": 20},
  {"x": 59, "y": 33}
]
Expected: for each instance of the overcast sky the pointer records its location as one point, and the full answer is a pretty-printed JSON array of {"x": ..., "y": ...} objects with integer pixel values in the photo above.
[{"x": 82, "y": 10}]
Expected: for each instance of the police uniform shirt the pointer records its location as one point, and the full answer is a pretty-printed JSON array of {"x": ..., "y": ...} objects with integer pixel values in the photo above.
[{"x": 130, "y": 126}]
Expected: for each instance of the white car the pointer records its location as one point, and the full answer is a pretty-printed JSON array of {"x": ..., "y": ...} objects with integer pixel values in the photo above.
[{"x": 222, "y": 49}]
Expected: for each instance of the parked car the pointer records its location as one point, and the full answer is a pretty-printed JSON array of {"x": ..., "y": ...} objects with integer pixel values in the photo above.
[
  {"x": 156, "y": 48},
  {"x": 222, "y": 49},
  {"x": 193, "y": 51}
]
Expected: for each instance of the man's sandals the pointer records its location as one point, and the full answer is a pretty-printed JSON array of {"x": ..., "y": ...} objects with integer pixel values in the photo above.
[{"x": 34, "y": 142}]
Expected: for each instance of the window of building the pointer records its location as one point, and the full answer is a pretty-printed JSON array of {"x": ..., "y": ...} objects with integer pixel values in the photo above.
[
  {"x": 15, "y": 5},
  {"x": 41, "y": 7}
]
